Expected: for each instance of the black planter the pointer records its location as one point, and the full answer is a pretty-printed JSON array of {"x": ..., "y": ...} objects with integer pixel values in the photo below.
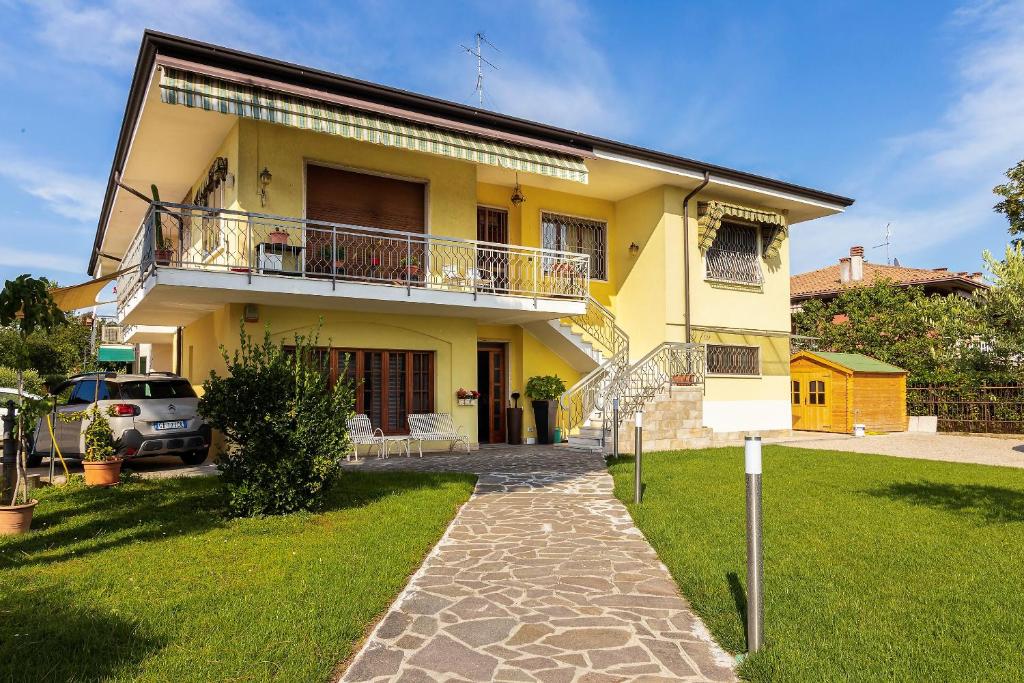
[
  {"x": 514, "y": 426},
  {"x": 545, "y": 415}
]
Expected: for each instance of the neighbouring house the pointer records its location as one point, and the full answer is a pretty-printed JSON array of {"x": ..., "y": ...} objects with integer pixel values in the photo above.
[
  {"x": 445, "y": 247},
  {"x": 825, "y": 284},
  {"x": 832, "y": 392}
]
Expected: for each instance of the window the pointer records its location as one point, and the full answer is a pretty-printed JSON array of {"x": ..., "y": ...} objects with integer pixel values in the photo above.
[
  {"x": 733, "y": 360},
  {"x": 796, "y": 392},
  {"x": 159, "y": 389},
  {"x": 816, "y": 393},
  {"x": 86, "y": 391},
  {"x": 389, "y": 385},
  {"x": 733, "y": 256},
  {"x": 579, "y": 235}
]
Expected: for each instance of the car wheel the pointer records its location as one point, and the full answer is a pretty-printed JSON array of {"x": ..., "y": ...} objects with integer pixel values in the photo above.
[{"x": 195, "y": 457}]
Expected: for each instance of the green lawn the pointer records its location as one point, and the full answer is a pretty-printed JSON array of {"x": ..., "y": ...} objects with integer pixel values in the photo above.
[
  {"x": 148, "y": 581},
  {"x": 876, "y": 568}
]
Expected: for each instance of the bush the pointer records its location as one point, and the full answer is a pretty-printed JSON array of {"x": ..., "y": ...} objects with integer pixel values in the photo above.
[
  {"x": 285, "y": 428},
  {"x": 545, "y": 387},
  {"x": 33, "y": 382}
]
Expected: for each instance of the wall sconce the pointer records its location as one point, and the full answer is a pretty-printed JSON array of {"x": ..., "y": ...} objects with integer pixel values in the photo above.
[
  {"x": 265, "y": 178},
  {"x": 517, "y": 197},
  {"x": 634, "y": 248}
]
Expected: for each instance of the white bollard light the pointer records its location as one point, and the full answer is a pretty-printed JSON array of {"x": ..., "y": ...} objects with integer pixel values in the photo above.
[
  {"x": 755, "y": 569},
  {"x": 638, "y": 450}
]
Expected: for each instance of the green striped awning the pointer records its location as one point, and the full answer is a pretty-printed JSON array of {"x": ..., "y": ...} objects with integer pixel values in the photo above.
[
  {"x": 191, "y": 89},
  {"x": 711, "y": 215}
]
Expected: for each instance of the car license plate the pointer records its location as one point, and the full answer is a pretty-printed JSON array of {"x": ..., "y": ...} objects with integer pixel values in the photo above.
[{"x": 173, "y": 424}]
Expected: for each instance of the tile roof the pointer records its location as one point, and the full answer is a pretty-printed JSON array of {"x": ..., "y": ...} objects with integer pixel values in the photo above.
[{"x": 826, "y": 280}]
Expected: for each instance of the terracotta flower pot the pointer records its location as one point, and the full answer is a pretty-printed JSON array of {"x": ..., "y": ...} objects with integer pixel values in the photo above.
[
  {"x": 16, "y": 519},
  {"x": 103, "y": 473},
  {"x": 279, "y": 237},
  {"x": 164, "y": 256}
]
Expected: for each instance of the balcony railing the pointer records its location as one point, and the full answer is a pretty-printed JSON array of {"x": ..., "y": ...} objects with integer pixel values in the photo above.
[{"x": 222, "y": 240}]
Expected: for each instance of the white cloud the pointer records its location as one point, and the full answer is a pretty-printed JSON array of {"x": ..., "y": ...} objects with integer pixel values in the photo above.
[
  {"x": 108, "y": 33},
  {"x": 33, "y": 261},
  {"x": 935, "y": 185},
  {"x": 67, "y": 194}
]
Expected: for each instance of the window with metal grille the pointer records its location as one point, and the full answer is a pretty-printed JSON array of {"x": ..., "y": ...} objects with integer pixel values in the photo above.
[
  {"x": 733, "y": 256},
  {"x": 579, "y": 235},
  {"x": 733, "y": 360}
]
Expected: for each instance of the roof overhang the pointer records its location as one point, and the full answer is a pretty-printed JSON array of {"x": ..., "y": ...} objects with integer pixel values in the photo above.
[{"x": 643, "y": 166}]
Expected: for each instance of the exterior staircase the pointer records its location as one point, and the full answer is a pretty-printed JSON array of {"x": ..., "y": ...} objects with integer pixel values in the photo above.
[{"x": 587, "y": 406}]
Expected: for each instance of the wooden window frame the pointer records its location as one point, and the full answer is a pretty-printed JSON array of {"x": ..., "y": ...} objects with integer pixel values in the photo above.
[{"x": 358, "y": 356}]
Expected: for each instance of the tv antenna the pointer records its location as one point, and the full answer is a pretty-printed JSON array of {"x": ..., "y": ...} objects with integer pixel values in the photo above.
[
  {"x": 886, "y": 243},
  {"x": 477, "y": 52}
]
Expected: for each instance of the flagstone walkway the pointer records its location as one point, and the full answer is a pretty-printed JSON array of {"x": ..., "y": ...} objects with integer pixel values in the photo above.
[{"x": 541, "y": 577}]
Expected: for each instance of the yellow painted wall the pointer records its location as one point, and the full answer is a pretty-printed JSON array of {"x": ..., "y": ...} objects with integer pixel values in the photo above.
[{"x": 774, "y": 380}]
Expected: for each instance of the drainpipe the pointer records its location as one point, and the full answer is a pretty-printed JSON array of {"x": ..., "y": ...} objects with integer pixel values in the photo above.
[{"x": 686, "y": 253}]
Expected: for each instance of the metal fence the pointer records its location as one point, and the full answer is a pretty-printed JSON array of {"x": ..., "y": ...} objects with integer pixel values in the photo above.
[
  {"x": 982, "y": 409},
  {"x": 222, "y": 240}
]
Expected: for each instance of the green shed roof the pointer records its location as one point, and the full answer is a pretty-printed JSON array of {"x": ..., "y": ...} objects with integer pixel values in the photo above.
[{"x": 858, "y": 362}]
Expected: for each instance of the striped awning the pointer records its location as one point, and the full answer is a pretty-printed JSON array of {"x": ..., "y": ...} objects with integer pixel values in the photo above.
[
  {"x": 191, "y": 89},
  {"x": 711, "y": 215}
]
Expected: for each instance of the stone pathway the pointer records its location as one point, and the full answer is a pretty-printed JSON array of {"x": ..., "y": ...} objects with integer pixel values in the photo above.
[{"x": 542, "y": 576}]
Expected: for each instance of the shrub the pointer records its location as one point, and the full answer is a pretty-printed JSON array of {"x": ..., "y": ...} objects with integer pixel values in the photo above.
[
  {"x": 99, "y": 437},
  {"x": 33, "y": 382},
  {"x": 285, "y": 428},
  {"x": 544, "y": 387}
]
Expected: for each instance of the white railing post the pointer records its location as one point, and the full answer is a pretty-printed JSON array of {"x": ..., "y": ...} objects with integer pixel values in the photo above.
[
  {"x": 334, "y": 258},
  {"x": 250, "y": 265},
  {"x": 408, "y": 265}
]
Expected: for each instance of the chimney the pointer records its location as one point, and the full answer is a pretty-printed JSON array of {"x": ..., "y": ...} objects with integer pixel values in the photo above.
[
  {"x": 856, "y": 264},
  {"x": 844, "y": 271}
]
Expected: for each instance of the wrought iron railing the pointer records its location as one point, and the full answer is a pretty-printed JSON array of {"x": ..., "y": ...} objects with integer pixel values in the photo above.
[
  {"x": 669, "y": 363},
  {"x": 733, "y": 266},
  {"x": 580, "y": 401},
  {"x": 222, "y": 240}
]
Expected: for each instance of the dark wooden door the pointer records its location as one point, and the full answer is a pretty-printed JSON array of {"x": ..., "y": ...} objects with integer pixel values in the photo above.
[
  {"x": 492, "y": 226},
  {"x": 491, "y": 383}
]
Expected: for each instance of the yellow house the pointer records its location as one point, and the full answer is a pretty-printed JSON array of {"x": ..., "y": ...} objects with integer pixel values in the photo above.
[{"x": 444, "y": 247}]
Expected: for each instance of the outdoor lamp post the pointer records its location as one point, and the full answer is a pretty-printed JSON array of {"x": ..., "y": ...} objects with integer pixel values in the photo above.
[{"x": 755, "y": 568}]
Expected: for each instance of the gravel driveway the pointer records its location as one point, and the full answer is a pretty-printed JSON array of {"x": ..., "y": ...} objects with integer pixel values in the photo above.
[{"x": 981, "y": 450}]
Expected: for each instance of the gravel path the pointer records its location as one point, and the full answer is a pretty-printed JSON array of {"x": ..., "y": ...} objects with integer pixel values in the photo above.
[{"x": 981, "y": 450}]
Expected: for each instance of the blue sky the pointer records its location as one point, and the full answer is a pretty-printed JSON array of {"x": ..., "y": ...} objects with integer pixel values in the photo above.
[{"x": 913, "y": 108}]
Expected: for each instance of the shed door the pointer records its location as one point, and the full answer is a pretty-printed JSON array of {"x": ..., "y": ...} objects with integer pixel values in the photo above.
[{"x": 810, "y": 394}]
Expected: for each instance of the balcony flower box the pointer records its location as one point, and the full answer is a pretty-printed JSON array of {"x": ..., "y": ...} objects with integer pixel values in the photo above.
[
  {"x": 684, "y": 380},
  {"x": 467, "y": 397},
  {"x": 278, "y": 237}
]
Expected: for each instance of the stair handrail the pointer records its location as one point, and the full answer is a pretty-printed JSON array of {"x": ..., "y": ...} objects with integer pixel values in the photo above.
[
  {"x": 589, "y": 393},
  {"x": 652, "y": 373}
]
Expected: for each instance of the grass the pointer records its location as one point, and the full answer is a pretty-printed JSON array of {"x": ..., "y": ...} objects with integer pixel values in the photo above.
[
  {"x": 150, "y": 582},
  {"x": 876, "y": 568}
]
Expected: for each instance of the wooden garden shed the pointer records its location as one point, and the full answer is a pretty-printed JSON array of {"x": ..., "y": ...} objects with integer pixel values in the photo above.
[{"x": 831, "y": 392}]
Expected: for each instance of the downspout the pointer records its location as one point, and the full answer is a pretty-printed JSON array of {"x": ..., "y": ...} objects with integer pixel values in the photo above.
[{"x": 686, "y": 253}]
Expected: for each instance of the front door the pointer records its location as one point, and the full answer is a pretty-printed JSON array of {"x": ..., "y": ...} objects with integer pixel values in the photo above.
[
  {"x": 492, "y": 226},
  {"x": 810, "y": 398},
  {"x": 490, "y": 371}
]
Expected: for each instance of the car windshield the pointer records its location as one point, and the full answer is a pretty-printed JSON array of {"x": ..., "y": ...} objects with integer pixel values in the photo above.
[{"x": 157, "y": 389}]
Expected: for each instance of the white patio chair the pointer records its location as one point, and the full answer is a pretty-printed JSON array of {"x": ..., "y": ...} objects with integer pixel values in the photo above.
[{"x": 362, "y": 433}]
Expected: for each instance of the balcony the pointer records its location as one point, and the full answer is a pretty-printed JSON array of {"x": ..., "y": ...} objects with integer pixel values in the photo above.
[{"x": 192, "y": 260}]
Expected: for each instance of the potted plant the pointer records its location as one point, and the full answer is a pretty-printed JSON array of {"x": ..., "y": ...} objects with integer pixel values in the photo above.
[
  {"x": 328, "y": 257},
  {"x": 467, "y": 397},
  {"x": 412, "y": 266},
  {"x": 543, "y": 391},
  {"x": 685, "y": 379},
  {"x": 25, "y": 304},
  {"x": 164, "y": 251},
  {"x": 101, "y": 463},
  {"x": 278, "y": 236}
]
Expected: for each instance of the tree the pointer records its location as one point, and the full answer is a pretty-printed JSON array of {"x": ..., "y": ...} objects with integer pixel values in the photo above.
[
  {"x": 1003, "y": 305},
  {"x": 1012, "y": 204},
  {"x": 25, "y": 304}
]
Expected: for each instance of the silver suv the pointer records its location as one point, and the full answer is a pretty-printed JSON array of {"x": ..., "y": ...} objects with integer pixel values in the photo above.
[{"x": 152, "y": 414}]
